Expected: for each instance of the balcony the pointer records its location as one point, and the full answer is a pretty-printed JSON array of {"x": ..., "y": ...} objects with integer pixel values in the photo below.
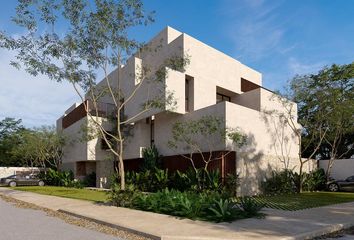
[{"x": 104, "y": 110}]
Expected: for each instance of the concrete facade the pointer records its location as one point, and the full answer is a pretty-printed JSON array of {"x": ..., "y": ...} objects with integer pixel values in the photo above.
[{"x": 210, "y": 76}]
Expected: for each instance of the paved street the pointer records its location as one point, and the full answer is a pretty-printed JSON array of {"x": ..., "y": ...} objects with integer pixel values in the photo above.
[{"x": 18, "y": 223}]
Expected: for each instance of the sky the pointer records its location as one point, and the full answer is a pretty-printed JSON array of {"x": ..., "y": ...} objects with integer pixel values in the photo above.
[{"x": 279, "y": 38}]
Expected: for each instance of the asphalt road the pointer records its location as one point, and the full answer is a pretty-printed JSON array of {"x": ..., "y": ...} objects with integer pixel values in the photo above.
[{"x": 28, "y": 224}]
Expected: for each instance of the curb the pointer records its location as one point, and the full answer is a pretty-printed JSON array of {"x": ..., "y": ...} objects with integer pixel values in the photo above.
[
  {"x": 317, "y": 233},
  {"x": 144, "y": 234}
]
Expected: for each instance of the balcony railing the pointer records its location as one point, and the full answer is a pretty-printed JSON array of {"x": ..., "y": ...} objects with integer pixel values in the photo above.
[{"x": 104, "y": 110}]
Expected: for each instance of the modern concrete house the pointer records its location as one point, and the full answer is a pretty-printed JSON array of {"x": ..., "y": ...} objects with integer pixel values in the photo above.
[{"x": 213, "y": 84}]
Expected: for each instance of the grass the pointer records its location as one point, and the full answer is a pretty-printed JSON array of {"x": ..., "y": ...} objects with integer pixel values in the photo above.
[
  {"x": 284, "y": 202},
  {"x": 83, "y": 194},
  {"x": 305, "y": 200}
]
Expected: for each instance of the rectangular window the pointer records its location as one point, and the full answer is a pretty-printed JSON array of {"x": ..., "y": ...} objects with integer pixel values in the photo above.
[
  {"x": 152, "y": 132},
  {"x": 187, "y": 95},
  {"x": 221, "y": 98}
]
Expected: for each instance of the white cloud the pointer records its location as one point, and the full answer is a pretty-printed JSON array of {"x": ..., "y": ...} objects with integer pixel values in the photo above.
[
  {"x": 297, "y": 67},
  {"x": 255, "y": 28},
  {"x": 36, "y": 100}
]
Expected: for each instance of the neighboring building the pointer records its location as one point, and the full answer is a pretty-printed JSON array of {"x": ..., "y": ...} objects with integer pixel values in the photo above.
[{"x": 213, "y": 84}]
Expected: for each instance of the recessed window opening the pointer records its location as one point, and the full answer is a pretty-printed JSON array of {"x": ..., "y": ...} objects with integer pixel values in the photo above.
[
  {"x": 152, "y": 132},
  {"x": 222, "y": 98},
  {"x": 188, "y": 93}
]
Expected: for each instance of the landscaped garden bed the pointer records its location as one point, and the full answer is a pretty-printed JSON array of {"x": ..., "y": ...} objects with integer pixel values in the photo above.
[
  {"x": 76, "y": 193},
  {"x": 293, "y": 202}
]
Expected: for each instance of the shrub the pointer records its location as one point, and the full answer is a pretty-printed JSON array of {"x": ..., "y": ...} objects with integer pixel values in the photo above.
[
  {"x": 231, "y": 184},
  {"x": 224, "y": 210},
  {"x": 287, "y": 181},
  {"x": 211, "y": 206},
  {"x": 283, "y": 182},
  {"x": 60, "y": 178},
  {"x": 123, "y": 198},
  {"x": 148, "y": 180},
  {"x": 180, "y": 181},
  {"x": 250, "y": 206},
  {"x": 90, "y": 180},
  {"x": 152, "y": 158},
  {"x": 176, "y": 203},
  {"x": 315, "y": 180}
]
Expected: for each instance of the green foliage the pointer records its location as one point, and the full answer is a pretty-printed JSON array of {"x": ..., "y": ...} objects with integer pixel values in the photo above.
[
  {"x": 231, "y": 184},
  {"x": 326, "y": 104},
  {"x": 224, "y": 210},
  {"x": 97, "y": 37},
  {"x": 148, "y": 180},
  {"x": 195, "y": 136},
  {"x": 90, "y": 180},
  {"x": 287, "y": 182},
  {"x": 11, "y": 131},
  {"x": 283, "y": 182},
  {"x": 210, "y": 206},
  {"x": 123, "y": 198},
  {"x": 41, "y": 147},
  {"x": 250, "y": 206},
  {"x": 183, "y": 181},
  {"x": 315, "y": 180},
  {"x": 152, "y": 158},
  {"x": 60, "y": 178}
]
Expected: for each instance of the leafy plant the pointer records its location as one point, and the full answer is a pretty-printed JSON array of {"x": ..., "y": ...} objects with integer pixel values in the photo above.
[
  {"x": 160, "y": 179},
  {"x": 152, "y": 158},
  {"x": 123, "y": 198},
  {"x": 287, "y": 182},
  {"x": 223, "y": 210},
  {"x": 284, "y": 182},
  {"x": 250, "y": 206},
  {"x": 90, "y": 180},
  {"x": 315, "y": 180},
  {"x": 231, "y": 184},
  {"x": 60, "y": 178}
]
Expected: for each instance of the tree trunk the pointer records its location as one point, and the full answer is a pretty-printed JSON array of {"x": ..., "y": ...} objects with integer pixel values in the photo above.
[{"x": 301, "y": 177}]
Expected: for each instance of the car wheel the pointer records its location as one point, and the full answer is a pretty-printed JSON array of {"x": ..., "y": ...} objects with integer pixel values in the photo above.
[
  {"x": 333, "y": 187},
  {"x": 12, "y": 184},
  {"x": 41, "y": 183}
]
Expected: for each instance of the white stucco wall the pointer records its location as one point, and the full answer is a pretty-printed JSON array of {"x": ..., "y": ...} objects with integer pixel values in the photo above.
[
  {"x": 271, "y": 144},
  {"x": 8, "y": 171}
]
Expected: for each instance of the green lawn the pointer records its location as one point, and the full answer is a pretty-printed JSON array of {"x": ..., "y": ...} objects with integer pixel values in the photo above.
[
  {"x": 284, "y": 202},
  {"x": 305, "y": 200},
  {"x": 84, "y": 194}
]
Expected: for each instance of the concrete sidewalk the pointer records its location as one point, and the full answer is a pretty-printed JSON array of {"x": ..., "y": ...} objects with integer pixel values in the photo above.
[{"x": 277, "y": 224}]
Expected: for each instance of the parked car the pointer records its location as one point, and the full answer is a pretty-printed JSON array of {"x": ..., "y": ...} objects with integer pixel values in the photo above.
[
  {"x": 341, "y": 185},
  {"x": 17, "y": 180}
]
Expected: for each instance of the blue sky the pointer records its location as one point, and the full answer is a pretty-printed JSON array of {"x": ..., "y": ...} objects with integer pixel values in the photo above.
[{"x": 278, "y": 38}]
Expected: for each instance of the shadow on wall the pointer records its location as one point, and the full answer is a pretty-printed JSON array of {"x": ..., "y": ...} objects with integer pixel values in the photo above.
[{"x": 252, "y": 167}]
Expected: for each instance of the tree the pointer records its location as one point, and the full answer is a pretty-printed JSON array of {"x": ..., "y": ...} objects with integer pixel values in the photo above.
[
  {"x": 288, "y": 118},
  {"x": 329, "y": 95},
  {"x": 324, "y": 111},
  {"x": 96, "y": 39},
  {"x": 42, "y": 147},
  {"x": 201, "y": 136},
  {"x": 10, "y": 137}
]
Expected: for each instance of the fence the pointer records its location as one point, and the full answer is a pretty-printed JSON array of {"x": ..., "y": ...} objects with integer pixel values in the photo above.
[
  {"x": 7, "y": 171},
  {"x": 342, "y": 168}
]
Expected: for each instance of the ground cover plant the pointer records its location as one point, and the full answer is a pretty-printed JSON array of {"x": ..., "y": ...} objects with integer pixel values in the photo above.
[
  {"x": 286, "y": 182},
  {"x": 207, "y": 205},
  {"x": 293, "y": 202},
  {"x": 83, "y": 194}
]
